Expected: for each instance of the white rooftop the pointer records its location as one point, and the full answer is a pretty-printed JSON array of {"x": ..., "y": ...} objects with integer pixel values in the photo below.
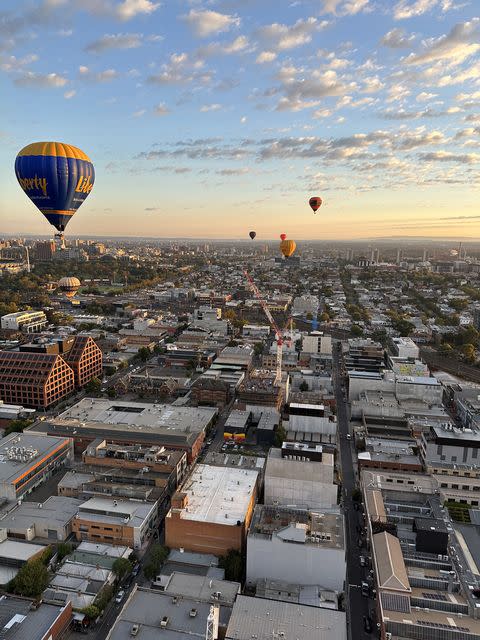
[{"x": 219, "y": 494}]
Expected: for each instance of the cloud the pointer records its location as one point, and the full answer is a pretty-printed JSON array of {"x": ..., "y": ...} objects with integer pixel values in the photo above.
[
  {"x": 239, "y": 45},
  {"x": 243, "y": 119},
  {"x": 344, "y": 7},
  {"x": 97, "y": 77},
  {"x": 281, "y": 37},
  {"x": 424, "y": 96},
  {"x": 129, "y": 9},
  {"x": 405, "y": 9},
  {"x": 69, "y": 94},
  {"x": 397, "y": 39},
  {"x": 265, "y": 56},
  {"x": 139, "y": 113},
  {"x": 115, "y": 41},
  {"x": 181, "y": 69},
  {"x": 12, "y": 63},
  {"x": 40, "y": 80},
  {"x": 446, "y": 156},
  {"x": 161, "y": 109},
  {"x": 303, "y": 92},
  {"x": 455, "y": 47},
  {"x": 206, "y": 22},
  {"x": 210, "y": 107},
  {"x": 240, "y": 171}
]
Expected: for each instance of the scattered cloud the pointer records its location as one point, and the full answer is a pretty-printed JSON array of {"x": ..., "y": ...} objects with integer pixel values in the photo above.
[
  {"x": 161, "y": 109},
  {"x": 446, "y": 156},
  {"x": 181, "y": 69},
  {"x": 344, "y": 7},
  {"x": 460, "y": 43},
  {"x": 281, "y": 37},
  {"x": 265, "y": 56},
  {"x": 210, "y": 107},
  {"x": 238, "y": 45},
  {"x": 424, "y": 96},
  {"x": 139, "y": 113},
  {"x": 397, "y": 39},
  {"x": 205, "y": 22},
  {"x": 40, "y": 80},
  {"x": 115, "y": 41},
  {"x": 97, "y": 76},
  {"x": 12, "y": 63},
  {"x": 68, "y": 95},
  {"x": 129, "y": 9}
]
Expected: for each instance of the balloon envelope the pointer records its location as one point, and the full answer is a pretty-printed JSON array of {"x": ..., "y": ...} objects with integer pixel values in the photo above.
[
  {"x": 287, "y": 247},
  {"x": 69, "y": 286},
  {"x": 283, "y": 236},
  {"x": 56, "y": 177},
  {"x": 252, "y": 234},
  {"x": 315, "y": 202}
]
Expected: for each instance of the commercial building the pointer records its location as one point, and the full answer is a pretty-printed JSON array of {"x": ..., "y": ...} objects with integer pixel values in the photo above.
[
  {"x": 20, "y": 621},
  {"x": 212, "y": 511},
  {"x": 241, "y": 356},
  {"x": 305, "y": 546},
  {"x": 305, "y": 304},
  {"x": 9, "y": 412},
  {"x": 49, "y": 521},
  {"x": 388, "y": 453},
  {"x": 171, "y": 426},
  {"x": 405, "y": 348},
  {"x": 256, "y": 331},
  {"x": 260, "y": 389},
  {"x": 34, "y": 379},
  {"x": 300, "y": 483},
  {"x": 24, "y": 321},
  {"x": 44, "y": 251},
  {"x": 157, "y": 614},
  {"x": 266, "y": 619},
  {"x": 27, "y": 460},
  {"x": 364, "y": 355},
  {"x": 14, "y": 554},
  {"x": 120, "y": 522},
  {"x": 316, "y": 342}
]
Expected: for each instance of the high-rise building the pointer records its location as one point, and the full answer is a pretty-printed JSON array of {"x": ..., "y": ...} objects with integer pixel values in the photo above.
[{"x": 44, "y": 250}]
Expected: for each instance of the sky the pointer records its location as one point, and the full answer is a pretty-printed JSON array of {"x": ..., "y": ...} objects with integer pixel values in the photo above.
[{"x": 211, "y": 118}]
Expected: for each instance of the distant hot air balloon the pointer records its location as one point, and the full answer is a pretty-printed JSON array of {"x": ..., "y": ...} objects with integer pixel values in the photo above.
[
  {"x": 287, "y": 247},
  {"x": 252, "y": 234},
  {"x": 283, "y": 236},
  {"x": 69, "y": 286},
  {"x": 57, "y": 178},
  {"x": 315, "y": 202}
]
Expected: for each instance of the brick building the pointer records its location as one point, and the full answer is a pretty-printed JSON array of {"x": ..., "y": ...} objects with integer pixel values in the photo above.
[
  {"x": 212, "y": 511},
  {"x": 34, "y": 379},
  {"x": 86, "y": 360}
]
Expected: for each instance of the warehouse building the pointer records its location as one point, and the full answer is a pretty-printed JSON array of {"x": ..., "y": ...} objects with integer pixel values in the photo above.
[{"x": 212, "y": 511}]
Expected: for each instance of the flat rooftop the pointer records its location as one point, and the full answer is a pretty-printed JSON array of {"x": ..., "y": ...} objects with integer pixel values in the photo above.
[
  {"x": 264, "y": 619},
  {"x": 220, "y": 459},
  {"x": 117, "y": 511},
  {"x": 20, "y": 452},
  {"x": 202, "y": 588},
  {"x": 306, "y": 470},
  {"x": 19, "y": 622},
  {"x": 219, "y": 494},
  {"x": 19, "y": 550},
  {"x": 55, "y": 511},
  {"x": 136, "y": 415}
]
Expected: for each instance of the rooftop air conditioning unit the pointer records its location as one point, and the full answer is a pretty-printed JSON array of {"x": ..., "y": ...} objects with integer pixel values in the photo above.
[{"x": 164, "y": 622}]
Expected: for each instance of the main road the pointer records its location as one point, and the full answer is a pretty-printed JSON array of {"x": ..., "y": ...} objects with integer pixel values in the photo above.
[{"x": 357, "y": 606}]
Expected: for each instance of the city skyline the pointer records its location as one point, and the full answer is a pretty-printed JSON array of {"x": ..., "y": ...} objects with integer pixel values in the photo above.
[{"x": 210, "y": 119}]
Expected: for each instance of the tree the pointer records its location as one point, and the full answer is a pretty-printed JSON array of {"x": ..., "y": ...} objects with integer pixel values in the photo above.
[
  {"x": 258, "y": 348},
  {"x": 156, "y": 558},
  {"x": 356, "y": 330},
  {"x": 111, "y": 393},
  {"x": 280, "y": 435},
  {"x": 144, "y": 354},
  {"x": 31, "y": 580},
  {"x": 92, "y": 612},
  {"x": 468, "y": 351},
  {"x": 304, "y": 385},
  {"x": 324, "y": 317},
  {"x": 93, "y": 386},
  {"x": 17, "y": 426},
  {"x": 445, "y": 349},
  {"x": 63, "y": 550},
  {"x": 121, "y": 568},
  {"x": 233, "y": 565}
]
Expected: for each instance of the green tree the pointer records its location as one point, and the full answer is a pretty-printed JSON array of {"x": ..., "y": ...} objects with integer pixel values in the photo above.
[
  {"x": 92, "y": 612},
  {"x": 63, "y": 550},
  {"x": 468, "y": 351},
  {"x": 121, "y": 568},
  {"x": 93, "y": 386},
  {"x": 280, "y": 435},
  {"x": 111, "y": 393},
  {"x": 445, "y": 349},
  {"x": 258, "y": 348},
  {"x": 232, "y": 562},
  {"x": 158, "y": 555},
  {"x": 144, "y": 354},
  {"x": 17, "y": 426},
  {"x": 324, "y": 317},
  {"x": 356, "y": 331},
  {"x": 304, "y": 386},
  {"x": 31, "y": 580}
]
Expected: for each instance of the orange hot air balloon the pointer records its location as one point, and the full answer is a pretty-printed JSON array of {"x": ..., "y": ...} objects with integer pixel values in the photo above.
[
  {"x": 315, "y": 202},
  {"x": 69, "y": 286},
  {"x": 283, "y": 236},
  {"x": 287, "y": 247}
]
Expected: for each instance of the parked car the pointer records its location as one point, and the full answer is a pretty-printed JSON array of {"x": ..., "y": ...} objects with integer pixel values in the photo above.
[
  {"x": 363, "y": 561},
  {"x": 120, "y": 596},
  {"x": 367, "y": 624}
]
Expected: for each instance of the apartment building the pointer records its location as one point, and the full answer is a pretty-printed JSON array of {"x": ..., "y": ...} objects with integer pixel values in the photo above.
[{"x": 24, "y": 321}]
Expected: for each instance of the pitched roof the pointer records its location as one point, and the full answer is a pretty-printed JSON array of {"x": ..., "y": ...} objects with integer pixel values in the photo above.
[
  {"x": 77, "y": 349},
  {"x": 21, "y": 367},
  {"x": 391, "y": 570}
]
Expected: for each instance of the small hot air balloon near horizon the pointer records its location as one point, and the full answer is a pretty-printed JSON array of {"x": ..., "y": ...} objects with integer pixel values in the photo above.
[
  {"x": 69, "y": 286},
  {"x": 252, "y": 234},
  {"x": 57, "y": 178},
  {"x": 287, "y": 247},
  {"x": 315, "y": 202},
  {"x": 283, "y": 236}
]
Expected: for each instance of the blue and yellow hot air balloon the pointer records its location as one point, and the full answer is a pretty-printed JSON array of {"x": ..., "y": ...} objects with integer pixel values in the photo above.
[{"x": 57, "y": 178}]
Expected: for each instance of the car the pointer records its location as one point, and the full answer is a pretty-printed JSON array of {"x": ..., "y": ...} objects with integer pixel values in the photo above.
[
  {"x": 349, "y": 437},
  {"x": 363, "y": 561},
  {"x": 120, "y": 596},
  {"x": 136, "y": 570},
  {"x": 365, "y": 588},
  {"x": 367, "y": 624}
]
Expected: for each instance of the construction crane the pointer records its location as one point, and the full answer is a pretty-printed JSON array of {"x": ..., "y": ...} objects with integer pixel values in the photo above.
[{"x": 278, "y": 333}]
